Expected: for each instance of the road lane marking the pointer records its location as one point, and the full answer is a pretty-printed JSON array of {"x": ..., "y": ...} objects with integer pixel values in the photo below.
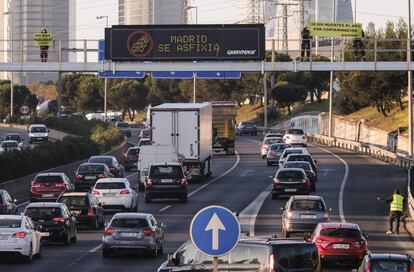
[
  {"x": 247, "y": 172},
  {"x": 343, "y": 183},
  {"x": 22, "y": 204},
  {"x": 211, "y": 181},
  {"x": 248, "y": 216},
  {"x": 98, "y": 247}
]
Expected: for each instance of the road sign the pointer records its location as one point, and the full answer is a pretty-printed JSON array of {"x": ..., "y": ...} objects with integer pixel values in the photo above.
[
  {"x": 101, "y": 50},
  {"x": 43, "y": 39},
  {"x": 173, "y": 75},
  {"x": 124, "y": 74},
  {"x": 215, "y": 231},
  {"x": 218, "y": 75},
  {"x": 24, "y": 110}
]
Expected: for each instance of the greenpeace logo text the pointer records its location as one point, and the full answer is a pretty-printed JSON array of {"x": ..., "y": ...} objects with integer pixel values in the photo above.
[{"x": 241, "y": 52}]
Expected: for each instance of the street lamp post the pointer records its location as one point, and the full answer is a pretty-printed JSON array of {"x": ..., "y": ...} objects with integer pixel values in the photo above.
[
  {"x": 10, "y": 13},
  {"x": 106, "y": 79},
  {"x": 194, "y": 73},
  {"x": 410, "y": 92},
  {"x": 331, "y": 79}
]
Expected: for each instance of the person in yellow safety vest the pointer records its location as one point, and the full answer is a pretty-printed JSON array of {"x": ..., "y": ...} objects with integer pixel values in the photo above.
[{"x": 396, "y": 210}]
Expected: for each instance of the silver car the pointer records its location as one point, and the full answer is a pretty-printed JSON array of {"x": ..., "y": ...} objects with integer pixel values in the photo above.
[
  {"x": 303, "y": 213},
  {"x": 134, "y": 232},
  {"x": 274, "y": 153}
]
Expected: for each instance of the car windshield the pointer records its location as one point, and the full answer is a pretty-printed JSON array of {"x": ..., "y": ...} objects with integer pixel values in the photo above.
[
  {"x": 105, "y": 160},
  {"x": 295, "y": 131},
  {"x": 38, "y": 129},
  {"x": 91, "y": 168},
  {"x": 9, "y": 144},
  {"x": 133, "y": 151},
  {"x": 341, "y": 232},
  {"x": 74, "y": 201},
  {"x": 48, "y": 179},
  {"x": 296, "y": 151},
  {"x": 144, "y": 142},
  {"x": 12, "y": 137},
  {"x": 290, "y": 175},
  {"x": 389, "y": 266},
  {"x": 273, "y": 135},
  {"x": 48, "y": 213},
  {"x": 123, "y": 125},
  {"x": 307, "y": 205},
  {"x": 10, "y": 223},
  {"x": 248, "y": 124},
  {"x": 299, "y": 257},
  {"x": 110, "y": 185},
  {"x": 299, "y": 158},
  {"x": 129, "y": 223},
  {"x": 272, "y": 141},
  {"x": 145, "y": 133},
  {"x": 279, "y": 147},
  {"x": 166, "y": 171},
  {"x": 1, "y": 199},
  {"x": 304, "y": 166}
]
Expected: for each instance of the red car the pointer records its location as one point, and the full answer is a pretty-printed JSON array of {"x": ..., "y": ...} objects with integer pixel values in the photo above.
[
  {"x": 49, "y": 186},
  {"x": 341, "y": 243}
]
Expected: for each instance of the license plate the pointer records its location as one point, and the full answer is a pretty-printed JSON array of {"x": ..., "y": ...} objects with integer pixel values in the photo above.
[
  {"x": 167, "y": 180},
  {"x": 39, "y": 139},
  {"x": 109, "y": 195},
  {"x": 135, "y": 164},
  {"x": 129, "y": 234},
  {"x": 308, "y": 216},
  {"x": 76, "y": 212},
  {"x": 90, "y": 177},
  {"x": 3, "y": 237},
  {"x": 340, "y": 246},
  {"x": 45, "y": 234},
  {"x": 47, "y": 195},
  {"x": 290, "y": 190}
]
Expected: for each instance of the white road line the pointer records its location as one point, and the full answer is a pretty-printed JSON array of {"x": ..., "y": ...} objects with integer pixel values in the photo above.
[
  {"x": 131, "y": 175},
  {"x": 248, "y": 216},
  {"x": 95, "y": 249},
  {"x": 343, "y": 183},
  {"x": 22, "y": 204},
  {"x": 210, "y": 182}
]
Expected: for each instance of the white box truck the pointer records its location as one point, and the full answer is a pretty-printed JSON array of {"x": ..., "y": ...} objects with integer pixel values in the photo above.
[{"x": 187, "y": 127}]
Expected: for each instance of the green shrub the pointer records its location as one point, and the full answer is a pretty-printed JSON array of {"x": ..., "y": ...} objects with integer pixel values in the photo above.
[
  {"x": 73, "y": 125},
  {"x": 107, "y": 138}
]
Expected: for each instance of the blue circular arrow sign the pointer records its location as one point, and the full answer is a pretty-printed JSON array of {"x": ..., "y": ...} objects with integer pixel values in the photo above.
[{"x": 215, "y": 231}]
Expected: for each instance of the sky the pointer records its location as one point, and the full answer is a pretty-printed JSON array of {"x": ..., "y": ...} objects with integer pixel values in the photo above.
[{"x": 226, "y": 11}]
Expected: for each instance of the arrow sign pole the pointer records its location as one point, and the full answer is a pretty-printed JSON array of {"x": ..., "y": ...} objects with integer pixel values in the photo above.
[{"x": 215, "y": 225}]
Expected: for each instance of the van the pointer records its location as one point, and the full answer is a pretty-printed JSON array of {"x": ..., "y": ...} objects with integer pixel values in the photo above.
[{"x": 38, "y": 133}]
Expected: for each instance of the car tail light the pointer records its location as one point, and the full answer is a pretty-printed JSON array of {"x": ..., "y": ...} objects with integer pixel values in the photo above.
[
  {"x": 124, "y": 192},
  {"x": 150, "y": 182},
  {"x": 90, "y": 212},
  {"x": 148, "y": 231},
  {"x": 272, "y": 264},
  {"x": 276, "y": 181},
  {"x": 305, "y": 180},
  {"x": 95, "y": 192},
  {"x": 36, "y": 185},
  {"x": 20, "y": 234},
  {"x": 101, "y": 176},
  {"x": 109, "y": 231},
  {"x": 79, "y": 177},
  {"x": 369, "y": 267},
  {"x": 287, "y": 137},
  {"x": 60, "y": 185},
  {"x": 359, "y": 243},
  {"x": 326, "y": 216},
  {"x": 289, "y": 214},
  {"x": 183, "y": 181},
  {"x": 59, "y": 219}
]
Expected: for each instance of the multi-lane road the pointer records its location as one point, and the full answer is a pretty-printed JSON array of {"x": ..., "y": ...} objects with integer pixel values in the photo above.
[{"x": 349, "y": 183}]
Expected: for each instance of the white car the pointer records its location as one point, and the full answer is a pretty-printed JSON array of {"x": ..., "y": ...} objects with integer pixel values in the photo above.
[
  {"x": 295, "y": 137},
  {"x": 18, "y": 234},
  {"x": 9, "y": 146},
  {"x": 14, "y": 137},
  {"x": 38, "y": 133},
  {"x": 291, "y": 150},
  {"x": 116, "y": 194},
  {"x": 267, "y": 142}
]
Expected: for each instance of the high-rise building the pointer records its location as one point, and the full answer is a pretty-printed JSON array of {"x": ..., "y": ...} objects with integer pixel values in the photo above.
[
  {"x": 143, "y": 12},
  {"x": 24, "y": 18}
]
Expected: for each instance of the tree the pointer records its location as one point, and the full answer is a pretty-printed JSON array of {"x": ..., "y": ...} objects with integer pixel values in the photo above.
[
  {"x": 286, "y": 94},
  {"x": 22, "y": 97},
  {"x": 70, "y": 88},
  {"x": 128, "y": 96},
  {"x": 164, "y": 90},
  {"x": 89, "y": 97}
]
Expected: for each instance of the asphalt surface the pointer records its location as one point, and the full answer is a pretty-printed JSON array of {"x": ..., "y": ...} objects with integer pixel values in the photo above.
[
  {"x": 23, "y": 135},
  {"x": 348, "y": 182}
]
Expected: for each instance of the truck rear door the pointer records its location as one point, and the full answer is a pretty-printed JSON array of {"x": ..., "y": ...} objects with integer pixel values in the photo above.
[{"x": 188, "y": 130}]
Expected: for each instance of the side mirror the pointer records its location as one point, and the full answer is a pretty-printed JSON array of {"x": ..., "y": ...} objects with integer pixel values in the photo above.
[
  {"x": 106, "y": 224},
  {"x": 330, "y": 209},
  {"x": 162, "y": 225},
  {"x": 282, "y": 209},
  {"x": 15, "y": 200},
  {"x": 315, "y": 161},
  {"x": 99, "y": 204},
  {"x": 307, "y": 238},
  {"x": 48, "y": 130},
  {"x": 171, "y": 260},
  {"x": 365, "y": 235}
]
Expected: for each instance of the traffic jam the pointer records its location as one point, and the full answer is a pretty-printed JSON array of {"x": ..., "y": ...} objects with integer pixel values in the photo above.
[{"x": 169, "y": 156}]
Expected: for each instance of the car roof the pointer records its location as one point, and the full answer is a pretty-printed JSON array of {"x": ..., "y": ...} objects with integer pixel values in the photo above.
[
  {"x": 11, "y": 216},
  {"x": 93, "y": 163},
  {"x": 11, "y": 134},
  {"x": 76, "y": 194},
  {"x": 306, "y": 197},
  {"x": 112, "y": 180},
  {"x": 131, "y": 215},
  {"x": 293, "y": 162},
  {"x": 339, "y": 225},
  {"x": 272, "y": 138},
  {"x": 144, "y": 139},
  {"x": 50, "y": 174},
  {"x": 295, "y": 148},
  {"x": 289, "y": 169},
  {"x": 45, "y": 204},
  {"x": 38, "y": 125},
  {"x": 134, "y": 147},
  {"x": 101, "y": 156},
  {"x": 9, "y": 141},
  {"x": 393, "y": 257},
  {"x": 165, "y": 163}
]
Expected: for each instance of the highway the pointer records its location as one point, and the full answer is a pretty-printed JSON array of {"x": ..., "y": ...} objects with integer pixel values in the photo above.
[{"x": 348, "y": 182}]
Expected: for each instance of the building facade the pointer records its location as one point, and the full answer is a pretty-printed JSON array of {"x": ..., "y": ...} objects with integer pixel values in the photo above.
[
  {"x": 24, "y": 18},
  {"x": 143, "y": 12}
]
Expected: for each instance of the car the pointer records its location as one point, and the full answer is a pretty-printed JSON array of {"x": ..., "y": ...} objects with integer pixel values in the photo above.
[
  {"x": 295, "y": 137},
  {"x": 133, "y": 232},
  {"x": 115, "y": 194},
  {"x": 144, "y": 141},
  {"x": 246, "y": 128},
  {"x": 9, "y": 145},
  {"x": 290, "y": 181},
  {"x": 85, "y": 208},
  {"x": 264, "y": 148},
  {"x": 7, "y": 205},
  {"x": 38, "y": 133},
  {"x": 145, "y": 133},
  {"x": 49, "y": 186},
  {"x": 339, "y": 242},
  {"x": 291, "y": 150},
  {"x": 116, "y": 169},
  {"x": 265, "y": 254},
  {"x": 273, "y": 135},
  {"x": 19, "y": 237},
  {"x": 302, "y": 213},
  {"x": 88, "y": 173},
  {"x": 166, "y": 180},
  {"x": 304, "y": 157},
  {"x": 307, "y": 167},
  {"x": 386, "y": 263},
  {"x": 274, "y": 153},
  {"x": 14, "y": 137},
  {"x": 131, "y": 158},
  {"x": 124, "y": 126},
  {"x": 54, "y": 221}
]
